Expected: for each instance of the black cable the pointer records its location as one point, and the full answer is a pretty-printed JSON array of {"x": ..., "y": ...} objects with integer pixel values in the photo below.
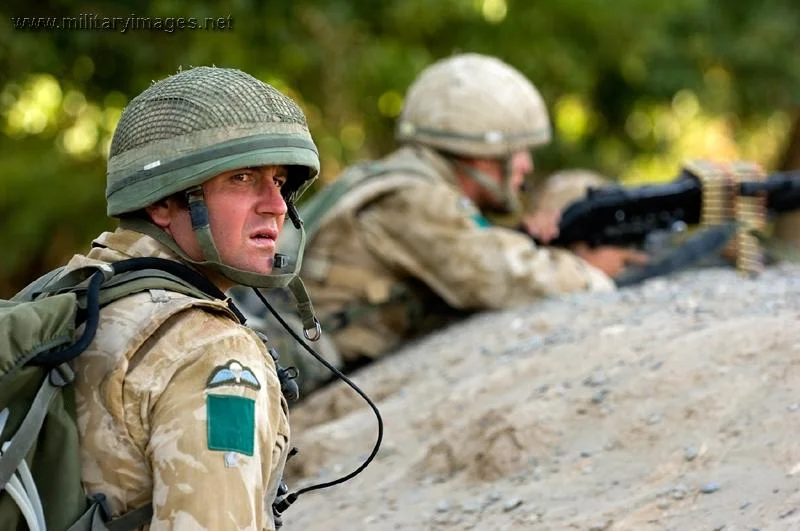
[
  {"x": 92, "y": 320},
  {"x": 92, "y": 317},
  {"x": 290, "y": 498}
]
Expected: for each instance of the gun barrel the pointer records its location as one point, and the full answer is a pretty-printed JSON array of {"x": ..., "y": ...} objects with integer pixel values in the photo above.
[{"x": 782, "y": 191}]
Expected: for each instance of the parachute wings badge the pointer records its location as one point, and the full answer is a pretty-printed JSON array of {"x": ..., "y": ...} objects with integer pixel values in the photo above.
[{"x": 233, "y": 373}]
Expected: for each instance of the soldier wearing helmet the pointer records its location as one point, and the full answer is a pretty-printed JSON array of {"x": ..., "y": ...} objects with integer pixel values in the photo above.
[
  {"x": 401, "y": 246},
  {"x": 179, "y": 404}
]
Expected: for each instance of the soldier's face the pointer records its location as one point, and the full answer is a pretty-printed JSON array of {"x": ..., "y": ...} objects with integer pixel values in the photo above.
[
  {"x": 521, "y": 165},
  {"x": 246, "y": 213}
]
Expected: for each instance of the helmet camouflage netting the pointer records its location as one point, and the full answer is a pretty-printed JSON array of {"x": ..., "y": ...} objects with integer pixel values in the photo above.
[{"x": 198, "y": 123}]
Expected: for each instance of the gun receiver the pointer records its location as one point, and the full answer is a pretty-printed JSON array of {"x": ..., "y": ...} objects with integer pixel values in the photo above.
[{"x": 624, "y": 217}]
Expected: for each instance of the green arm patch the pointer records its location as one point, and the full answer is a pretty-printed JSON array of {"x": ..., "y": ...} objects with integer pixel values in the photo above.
[
  {"x": 231, "y": 423},
  {"x": 481, "y": 221}
]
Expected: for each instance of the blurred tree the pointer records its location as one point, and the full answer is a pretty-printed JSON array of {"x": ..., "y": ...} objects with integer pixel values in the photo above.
[
  {"x": 633, "y": 87},
  {"x": 791, "y": 154}
]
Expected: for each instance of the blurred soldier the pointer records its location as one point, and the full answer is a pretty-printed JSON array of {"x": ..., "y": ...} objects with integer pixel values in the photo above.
[
  {"x": 401, "y": 246},
  {"x": 178, "y": 403}
]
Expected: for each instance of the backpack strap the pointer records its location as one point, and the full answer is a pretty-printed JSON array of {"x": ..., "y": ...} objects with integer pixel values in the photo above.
[
  {"x": 132, "y": 519},
  {"x": 135, "y": 274},
  {"x": 95, "y": 518},
  {"x": 29, "y": 292},
  {"x": 124, "y": 284},
  {"x": 20, "y": 444},
  {"x": 115, "y": 281}
]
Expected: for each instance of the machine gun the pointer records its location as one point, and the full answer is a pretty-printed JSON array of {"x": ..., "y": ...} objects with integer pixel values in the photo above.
[{"x": 737, "y": 195}]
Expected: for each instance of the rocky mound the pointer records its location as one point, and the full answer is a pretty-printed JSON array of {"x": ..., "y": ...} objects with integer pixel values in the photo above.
[{"x": 671, "y": 405}]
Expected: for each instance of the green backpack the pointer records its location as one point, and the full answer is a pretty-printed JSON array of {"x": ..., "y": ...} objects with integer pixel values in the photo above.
[{"x": 40, "y": 468}]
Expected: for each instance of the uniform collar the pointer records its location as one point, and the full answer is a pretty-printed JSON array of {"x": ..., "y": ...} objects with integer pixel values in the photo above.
[{"x": 123, "y": 243}]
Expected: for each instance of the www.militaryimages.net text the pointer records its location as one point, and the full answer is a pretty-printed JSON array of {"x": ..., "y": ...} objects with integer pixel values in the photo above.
[{"x": 94, "y": 22}]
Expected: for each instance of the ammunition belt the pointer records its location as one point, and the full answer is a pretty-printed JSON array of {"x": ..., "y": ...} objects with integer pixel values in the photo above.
[{"x": 722, "y": 202}]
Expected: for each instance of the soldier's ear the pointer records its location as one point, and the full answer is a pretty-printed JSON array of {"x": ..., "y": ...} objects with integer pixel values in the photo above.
[
  {"x": 159, "y": 213},
  {"x": 163, "y": 212}
]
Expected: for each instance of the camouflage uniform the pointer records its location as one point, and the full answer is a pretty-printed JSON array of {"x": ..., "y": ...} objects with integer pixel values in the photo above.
[
  {"x": 142, "y": 398},
  {"x": 178, "y": 403}
]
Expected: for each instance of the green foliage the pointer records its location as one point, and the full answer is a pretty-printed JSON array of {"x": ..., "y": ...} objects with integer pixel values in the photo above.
[{"x": 625, "y": 82}]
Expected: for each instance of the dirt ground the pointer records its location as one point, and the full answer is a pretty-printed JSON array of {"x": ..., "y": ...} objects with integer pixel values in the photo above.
[{"x": 668, "y": 406}]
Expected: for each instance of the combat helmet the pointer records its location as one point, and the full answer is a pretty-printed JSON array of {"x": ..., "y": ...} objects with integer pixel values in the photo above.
[
  {"x": 185, "y": 129},
  {"x": 476, "y": 106}
]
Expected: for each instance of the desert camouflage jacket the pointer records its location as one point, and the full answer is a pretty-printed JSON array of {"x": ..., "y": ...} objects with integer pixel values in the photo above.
[{"x": 180, "y": 405}]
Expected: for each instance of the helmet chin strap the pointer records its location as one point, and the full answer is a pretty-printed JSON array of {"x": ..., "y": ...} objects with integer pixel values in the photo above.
[
  {"x": 198, "y": 212},
  {"x": 311, "y": 327},
  {"x": 504, "y": 195}
]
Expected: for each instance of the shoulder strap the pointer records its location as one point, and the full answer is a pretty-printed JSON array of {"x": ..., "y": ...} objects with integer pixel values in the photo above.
[
  {"x": 132, "y": 519},
  {"x": 314, "y": 211},
  {"x": 29, "y": 292},
  {"x": 111, "y": 282},
  {"x": 139, "y": 274},
  {"x": 144, "y": 273},
  {"x": 21, "y": 442},
  {"x": 132, "y": 282}
]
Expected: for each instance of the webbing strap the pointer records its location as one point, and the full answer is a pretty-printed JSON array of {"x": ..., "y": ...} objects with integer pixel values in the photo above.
[
  {"x": 91, "y": 519},
  {"x": 22, "y": 441},
  {"x": 313, "y": 211},
  {"x": 136, "y": 281},
  {"x": 311, "y": 326},
  {"x": 353, "y": 312},
  {"x": 30, "y": 291},
  {"x": 132, "y": 519}
]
